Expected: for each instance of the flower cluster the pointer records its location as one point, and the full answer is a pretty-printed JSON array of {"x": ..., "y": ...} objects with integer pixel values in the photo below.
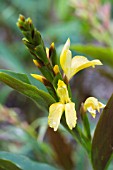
[{"x": 70, "y": 67}]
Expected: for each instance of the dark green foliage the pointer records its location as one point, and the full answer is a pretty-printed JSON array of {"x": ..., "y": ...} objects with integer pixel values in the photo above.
[{"x": 102, "y": 145}]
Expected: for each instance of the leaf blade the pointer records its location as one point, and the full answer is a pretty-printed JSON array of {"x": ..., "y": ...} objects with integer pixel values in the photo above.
[
  {"x": 23, "y": 162},
  {"x": 38, "y": 96},
  {"x": 20, "y": 76},
  {"x": 6, "y": 164},
  {"x": 102, "y": 144}
]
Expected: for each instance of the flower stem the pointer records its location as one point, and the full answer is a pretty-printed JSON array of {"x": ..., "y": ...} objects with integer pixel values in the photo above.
[{"x": 79, "y": 137}]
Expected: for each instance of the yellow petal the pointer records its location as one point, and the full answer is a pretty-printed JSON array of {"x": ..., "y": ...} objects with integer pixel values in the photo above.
[
  {"x": 101, "y": 105},
  {"x": 91, "y": 102},
  {"x": 63, "y": 92},
  {"x": 79, "y": 63},
  {"x": 70, "y": 114},
  {"x": 65, "y": 58},
  {"x": 92, "y": 111},
  {"x": 66, "y": 45},
  {"x": 55, "y": 113}
]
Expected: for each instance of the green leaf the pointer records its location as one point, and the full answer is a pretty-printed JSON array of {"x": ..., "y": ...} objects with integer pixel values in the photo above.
[
  {"x": 41, "y": 98},
  {"x": 102, "y": 53},
  {"x": 19, "y": 76},
  {"x": 8, "y": 165},
  {"x": 102, "y": 145},
  {"x": 23, "y": 162}
]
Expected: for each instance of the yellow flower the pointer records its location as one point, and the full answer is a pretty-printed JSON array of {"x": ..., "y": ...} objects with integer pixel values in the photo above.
[
  {"x": 56, "y": 109},
  {"x": 73, "y": 65},
  {"x": 92, "y": 104}
]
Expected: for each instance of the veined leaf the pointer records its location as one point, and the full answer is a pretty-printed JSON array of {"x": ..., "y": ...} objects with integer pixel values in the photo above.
[
  {"x": 102, "y": 53},
  {"x": 102, "y": 145},
  {"x": 41, "y": 98},
  {"x": 23, "y": 162},
  {"x": 8, "y": 165}
]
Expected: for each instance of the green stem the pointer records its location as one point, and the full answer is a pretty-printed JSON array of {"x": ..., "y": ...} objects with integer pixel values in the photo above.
[{"x": 79, "y": 137}]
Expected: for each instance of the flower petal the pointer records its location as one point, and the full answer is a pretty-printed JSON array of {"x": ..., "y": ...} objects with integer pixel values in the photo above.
[
  {"x": 79, "y": 62},
  {"x": 101, "y": 105},
  {"x": 63, "y": 92},
  {"x": 70, "y": 114},
  {"x": 92, "y": 111},
  {"x": 66, "y": 46},
  {"x": 55, "y": 113},
  {"x": 65, "y": 59},
  {"x": 92, "y": 104}
]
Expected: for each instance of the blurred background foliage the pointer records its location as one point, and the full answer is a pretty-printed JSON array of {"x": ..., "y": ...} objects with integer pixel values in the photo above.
[{"x": 89, "y": 25}]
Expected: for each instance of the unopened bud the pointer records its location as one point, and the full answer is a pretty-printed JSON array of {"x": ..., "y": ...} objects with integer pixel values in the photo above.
[
  {"x": 47, "y": 52},
  {"x": 56, "y": 69},
  {"x": 52, "y": 54},
  {"x": 29, "y": 21},
  {"x": 51, "y": 49},
  {"x": 42, "y": 79},
  {"x": 38, "y": 64},
  {"x": 22, "y": 18},
  {"x": 28, "y": 44},
  {"x": 19, "y": 25},
  {"x": 52, "y": 45}
]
